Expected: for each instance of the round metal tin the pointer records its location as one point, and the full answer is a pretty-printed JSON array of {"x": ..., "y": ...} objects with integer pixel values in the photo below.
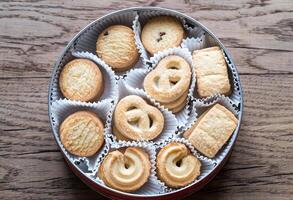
[{"x": 115, "y": 194}]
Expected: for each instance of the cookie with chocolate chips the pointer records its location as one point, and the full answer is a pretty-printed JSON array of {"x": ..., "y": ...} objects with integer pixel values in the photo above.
[
  {"x": 116, "y": 46},
  {"x": 161, "y": 33}
]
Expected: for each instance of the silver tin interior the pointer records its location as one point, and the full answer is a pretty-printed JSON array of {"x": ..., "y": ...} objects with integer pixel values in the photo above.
[{"x": 212, "y": 39}]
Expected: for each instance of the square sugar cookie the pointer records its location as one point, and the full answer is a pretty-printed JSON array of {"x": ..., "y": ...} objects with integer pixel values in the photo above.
[
  {"x": 211, "y": 72},
  {"x": 212, "y": 130}
]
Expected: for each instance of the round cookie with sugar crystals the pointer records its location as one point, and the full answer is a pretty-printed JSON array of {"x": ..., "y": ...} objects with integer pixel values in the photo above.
[
  {"x": 162, "y": 32},
  {"x": 116, "y": 46},
  {"x": 81, "y": 80}
]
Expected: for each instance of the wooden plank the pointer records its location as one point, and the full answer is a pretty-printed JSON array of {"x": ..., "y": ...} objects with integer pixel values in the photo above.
[
  {"x": 259, "y": 35},
  {"x": 260, "y": 166},
  {"x": 248, "y": 61},
  {"x": 38, "y": 175}
]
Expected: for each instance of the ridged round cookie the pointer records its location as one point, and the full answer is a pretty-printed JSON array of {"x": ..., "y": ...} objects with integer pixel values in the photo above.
[
  {"x": 116, "y": 46},
  {"x": 176, "y": 166},
  {"x": 161, "y": 33},
  {"x": 82, "y": 80},
  {"x": 82, "y": 133},
  {"x": 126, "y": 171}
]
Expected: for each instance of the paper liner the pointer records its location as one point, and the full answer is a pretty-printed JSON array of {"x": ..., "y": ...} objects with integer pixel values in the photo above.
[
  {"x": 141, "y": 64},
  {"x": 135, "y": 79},
  {"x": 88, "y": 39},
  {"x": 202, "y": 42},
  {"x": 202, "y": 106},
  {"x": 153, "y": 185},
  {"x": 144, "y": 16},
  {"x": 137, "y": 32},
  {"x": 110, "y": 83},
  {"x": 63, "y": 108},
  {"x": 170, "y": 122},
  {"x": 235, "y": 96},
  {"x": 190, "y": 120},
  {"x": 207, "y": 165},
  {"x": 194, "y": 43},
  {"x": 138, "y": 24},
  {"x": 55, "y": 92},
  {"x": 192, "y": 30}
]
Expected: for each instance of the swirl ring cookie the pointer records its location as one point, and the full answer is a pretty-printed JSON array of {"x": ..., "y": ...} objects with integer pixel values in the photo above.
[
  {"x": 116, "y": 46},
  {"x": 161, "y": 33},
  {"x": 82, "y": 80},
  {"x": 127, "y": 172},
  {"x": 176, "y": 166},
  {"x": 137, "y": 120},
  {"x": 169, "y": 80},
  {"x": 82, "y": 133}
]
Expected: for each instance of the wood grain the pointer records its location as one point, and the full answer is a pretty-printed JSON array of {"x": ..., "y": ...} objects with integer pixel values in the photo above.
[
  {"x": 264, "y": 31},
  {"x": 259, "y": 35}
]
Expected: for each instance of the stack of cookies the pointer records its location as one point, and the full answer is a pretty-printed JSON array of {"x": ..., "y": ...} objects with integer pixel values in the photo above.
[
  {"x": 141, "y": 120},
  {"x": 169, "y": 82}
]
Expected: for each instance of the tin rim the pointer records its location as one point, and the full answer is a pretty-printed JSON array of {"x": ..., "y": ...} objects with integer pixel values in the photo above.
[{"x": 133, "y": 9}]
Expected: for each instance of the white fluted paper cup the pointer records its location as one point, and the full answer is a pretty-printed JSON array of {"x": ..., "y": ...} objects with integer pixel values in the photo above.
[
  {"x": 109, "y": 81},
  {"x": 153, "y": 185},
  {"x": 207, "y": 165},
  {"x": 201, "y": 106},
  {"x": 134, "y": 79},
  {"x": 63, "y": 108},
  {"x": 197, "y": 43},
  {"x": 170, "y": 121}
]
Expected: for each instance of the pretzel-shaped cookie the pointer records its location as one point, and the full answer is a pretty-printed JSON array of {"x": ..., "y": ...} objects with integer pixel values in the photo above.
[
  {"x": 137, "y": 120},
  {"x": 126, "y": 172},
  {"x": 176, "y": 166},
  {"x": 178, "y": 104},
  {"x": 169, "y": 80}
]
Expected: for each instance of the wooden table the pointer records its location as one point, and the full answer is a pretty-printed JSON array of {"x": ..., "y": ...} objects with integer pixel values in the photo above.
[{"x": 259, "y": 35}]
